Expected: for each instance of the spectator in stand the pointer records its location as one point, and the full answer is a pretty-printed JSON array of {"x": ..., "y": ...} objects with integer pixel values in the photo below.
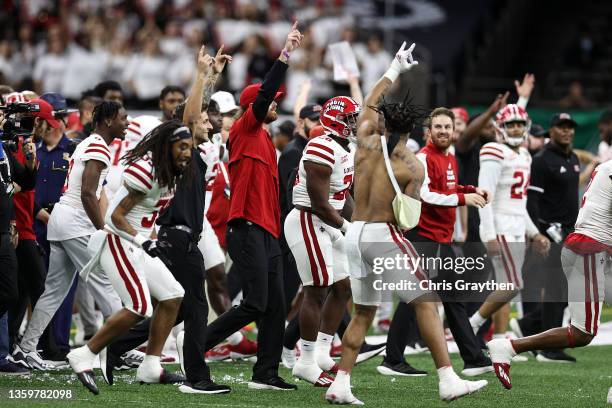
[
  {"x": 374, "y": 61},
  {"x": 50, "y": 68},
  {"x": 87, "y": 64},
  {"x": 146, "y": 72},
  {"x": 575, "y": 97}
]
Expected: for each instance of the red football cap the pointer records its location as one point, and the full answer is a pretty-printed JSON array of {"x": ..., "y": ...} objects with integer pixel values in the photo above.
[
  {"x": 249, "y": 94},
  {"x": 45, "y": 112}
]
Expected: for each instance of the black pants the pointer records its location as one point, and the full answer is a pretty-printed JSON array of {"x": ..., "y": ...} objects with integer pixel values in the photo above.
[
  {"x": 188, "y": 269},
  {"x": 31, "y": 282},
  {"x": 402, "y": 333},
  {"x": 455, "y": 310},
  {"x": 9, "y": 289},
  {"x": 257, "y": 259}
]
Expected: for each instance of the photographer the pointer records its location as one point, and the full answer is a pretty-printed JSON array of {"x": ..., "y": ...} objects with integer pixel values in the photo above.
[{"x": 13, "y": 177}]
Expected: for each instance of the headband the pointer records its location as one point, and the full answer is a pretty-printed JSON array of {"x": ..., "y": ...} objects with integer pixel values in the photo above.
[{"x": 180, "y": 133}]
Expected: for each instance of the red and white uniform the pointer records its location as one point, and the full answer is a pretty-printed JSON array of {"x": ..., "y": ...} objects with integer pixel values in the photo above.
[
  {"x": 209, "y": 243},
  {"x": 586, "y": 256},
  {"x": 69, "y": 219},
  {"x": 504, "y": 173},
  {"x": 133, "y": 273},
  {"x": 318, "y": 248},
  {"x": 137, "y": 129}
]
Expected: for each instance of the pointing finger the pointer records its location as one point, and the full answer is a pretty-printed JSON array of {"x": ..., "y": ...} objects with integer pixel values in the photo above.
[
  {"x": 220, "y": 50},
  {"x": 411, "y": 47},
  {"x": 402, "y": 47}
]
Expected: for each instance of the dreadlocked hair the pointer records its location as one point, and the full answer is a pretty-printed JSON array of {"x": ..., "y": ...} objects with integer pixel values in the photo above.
[
  {"x": 400, "y": 117},
  {"x": 157, "y": 146},
  {"x": 105, "y": 110}
]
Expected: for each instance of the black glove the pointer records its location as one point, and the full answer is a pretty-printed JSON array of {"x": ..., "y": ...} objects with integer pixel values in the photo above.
[{"x": 157, "y": 249}]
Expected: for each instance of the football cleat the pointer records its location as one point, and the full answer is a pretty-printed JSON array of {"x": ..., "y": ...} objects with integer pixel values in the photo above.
[
  {"x": 501, "y": 352},
  {"x": 218, "y": 353},
  {"x": 243, "y": 350}
]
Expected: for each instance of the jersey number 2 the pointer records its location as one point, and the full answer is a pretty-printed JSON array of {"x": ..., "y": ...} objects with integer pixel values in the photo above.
[
  {"x": 518, "y": 189},
  {"x": 341, "y": 195}
]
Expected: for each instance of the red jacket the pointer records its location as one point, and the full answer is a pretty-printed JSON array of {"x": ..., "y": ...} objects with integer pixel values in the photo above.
[
  {"x": 23, "y": 204},
  {"x": 440, "y": 195}
]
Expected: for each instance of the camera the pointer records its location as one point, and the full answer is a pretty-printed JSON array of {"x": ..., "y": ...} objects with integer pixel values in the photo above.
[{"x": 18, "y": 123}]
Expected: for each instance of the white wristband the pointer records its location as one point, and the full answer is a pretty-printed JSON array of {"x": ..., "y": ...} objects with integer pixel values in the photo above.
[
  {"x": 392, "y": 74},
  {"x": 344, "y": 226},
  {"x": 139, "y": 239}
]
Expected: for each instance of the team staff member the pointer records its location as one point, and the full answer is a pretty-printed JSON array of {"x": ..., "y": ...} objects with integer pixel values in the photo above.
[
  {"x": 441, "y": 194},
  {"x": 254, "y": 225},
  {"x": 181, "y": 226},
  {"x": 553, "y": 205}
]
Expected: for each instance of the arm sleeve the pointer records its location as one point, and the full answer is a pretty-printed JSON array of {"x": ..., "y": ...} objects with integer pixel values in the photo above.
[
  {"x": 271, "y": 83},
  {"x": 317, "y": 151},
  {"x": 99, "y": 152},
  {"x": 431, "y": 196},
  {"x": 139, "y": 176},
  {"x": 490, "y": 170},
  {"x": 536, "y": 187}
]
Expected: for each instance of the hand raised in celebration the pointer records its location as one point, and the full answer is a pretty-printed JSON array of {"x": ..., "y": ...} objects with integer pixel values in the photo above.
[
  {"x": 220, "y": 60},
  {"x": 294, "y": 38},
  {"x": 525, "y": 88},
  {"x": 205, "y": 61},
  {"x": 404, "y": 57}
]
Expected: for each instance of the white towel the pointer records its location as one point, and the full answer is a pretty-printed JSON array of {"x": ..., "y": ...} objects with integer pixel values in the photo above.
[
  {"x": 94, "y": 248},
  {"x": 353, "y": 253}
]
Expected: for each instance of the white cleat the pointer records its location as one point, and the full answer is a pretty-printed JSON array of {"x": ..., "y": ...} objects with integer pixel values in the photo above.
[
  {"x": 502, "y": 353},
  {"x": 336, "y": 394},
  {"x": 519, "y": 359},
  {"x": 307, "y": 372},
  {"x": 29, "y": 359},
  {"x": 452, "y": 390}
]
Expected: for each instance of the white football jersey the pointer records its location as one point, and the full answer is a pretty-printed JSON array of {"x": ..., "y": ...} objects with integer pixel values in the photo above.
[
  {"x": 69, "y": 219},
  {"x": 595, "y": 215},
  {"x": 140, "y": 176},
  {"x": 505, "y": 173},
  {"x": 92, "y": 147},
  {"x": 137, "y": 129},
  {"x": 326, "y": 151}
]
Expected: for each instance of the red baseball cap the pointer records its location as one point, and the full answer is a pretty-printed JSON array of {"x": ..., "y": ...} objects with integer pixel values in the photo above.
[
  {"x": 462, "y": 113},
  {"x": 249, "y": 94},
  {"x": 45, "y": 112}
]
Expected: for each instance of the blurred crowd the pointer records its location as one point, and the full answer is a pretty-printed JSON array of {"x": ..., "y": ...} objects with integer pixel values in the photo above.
[{"x": 148, "y": 44}]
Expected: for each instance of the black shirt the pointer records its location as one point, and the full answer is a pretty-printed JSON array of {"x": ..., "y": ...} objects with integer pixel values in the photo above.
[
  {"x": 287, "y": 163},
  {"x": 187, "y": 206},
  {"x": 553, "y": 188},
  {"x": 11, "y": 170}
]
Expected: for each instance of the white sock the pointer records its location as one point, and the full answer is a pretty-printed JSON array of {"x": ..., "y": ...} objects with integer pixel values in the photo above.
[
  {"x": 477, "y": 320},
  {"x": 499, "y": 336},
  {"x": 88, "y": 353},
  {"x": 324, "y": 343},
  {"x": 287, "y": 351},
  {"x": 343, "y": 379},
  {"x": 235, "y": 338},
  {"x": 307, "y": 355},
  {"x": 151, "y": 361},
  {"x": 447, "y": 374}
]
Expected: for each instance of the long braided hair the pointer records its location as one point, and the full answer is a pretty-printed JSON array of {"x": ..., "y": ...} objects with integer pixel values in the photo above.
[
  {"x": 158, "y": 146},
  {"x": 400, "y": 117}
]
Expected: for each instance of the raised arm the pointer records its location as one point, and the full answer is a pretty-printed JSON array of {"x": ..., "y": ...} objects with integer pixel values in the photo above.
[
  {"x": 402, "y": 62},
  {"x": 472, "y": 132},
  {"x": 275, "y": 77}
]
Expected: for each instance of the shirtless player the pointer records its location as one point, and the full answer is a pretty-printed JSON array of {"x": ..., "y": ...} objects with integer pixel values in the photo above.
[{"x": 375, "y": 226}]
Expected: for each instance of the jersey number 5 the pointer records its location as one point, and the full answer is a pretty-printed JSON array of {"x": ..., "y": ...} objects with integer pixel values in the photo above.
[{"x": 518, "y": 189}]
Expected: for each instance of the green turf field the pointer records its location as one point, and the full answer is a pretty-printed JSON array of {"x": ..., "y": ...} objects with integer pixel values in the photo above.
[{"x": 535, "y": 385}]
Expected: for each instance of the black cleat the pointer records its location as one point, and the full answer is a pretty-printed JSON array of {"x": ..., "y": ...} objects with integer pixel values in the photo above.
[
  {"x": 203, "y": 387},
  {"x": 108, "y": 362},
  {"x": 273, "y": 383},
  {"x": 401, "y": 369},
  {"x": 168, "y": 378},
  {"x": 368, "y": 351},
  {"x": 87, "y": 379}
]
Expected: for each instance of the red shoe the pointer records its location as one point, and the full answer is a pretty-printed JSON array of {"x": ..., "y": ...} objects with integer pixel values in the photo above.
[
  {"x": 336, "y": 351},
  {"x": 502, "y": 371},
  {"x": 218, "y": 353},
  {"x": 245, "y": 349},
  {"x": 324, "y": 380},
  {"x": 162, "y": 359},
  {"x": 383, "y": 326},
  {"x": 334, "y": 369}
]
